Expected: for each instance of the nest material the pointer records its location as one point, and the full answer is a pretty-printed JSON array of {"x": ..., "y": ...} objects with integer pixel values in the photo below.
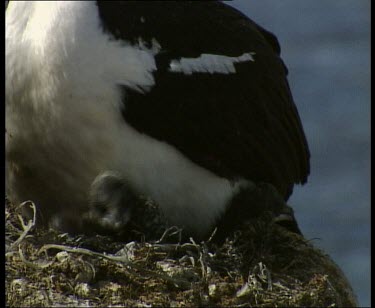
[{"x": 260, "y": 264}]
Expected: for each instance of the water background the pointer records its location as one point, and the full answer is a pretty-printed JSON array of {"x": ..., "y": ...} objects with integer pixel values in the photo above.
[{"x": 326, "y": 46}]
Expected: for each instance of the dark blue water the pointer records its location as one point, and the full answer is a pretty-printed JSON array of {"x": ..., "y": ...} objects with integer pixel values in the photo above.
[{"x": 326, "y": 46}]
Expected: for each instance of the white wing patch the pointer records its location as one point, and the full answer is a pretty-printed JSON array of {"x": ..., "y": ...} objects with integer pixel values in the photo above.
[{"x": 208, "y": 63}]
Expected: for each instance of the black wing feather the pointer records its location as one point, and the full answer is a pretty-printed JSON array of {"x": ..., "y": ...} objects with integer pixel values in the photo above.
[{"x": 236, "y": 125}]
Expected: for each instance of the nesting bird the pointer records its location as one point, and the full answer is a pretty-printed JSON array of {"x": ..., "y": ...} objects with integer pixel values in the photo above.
[{"x": 184, "y": 102}]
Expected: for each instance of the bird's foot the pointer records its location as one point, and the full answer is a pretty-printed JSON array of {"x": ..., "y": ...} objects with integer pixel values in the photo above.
[
  {"x": 116, "y": 210},
  {"x": 253, "y": 202},
  {"x": 110, "y": 205},
  {"x": 283, "y": 214}
]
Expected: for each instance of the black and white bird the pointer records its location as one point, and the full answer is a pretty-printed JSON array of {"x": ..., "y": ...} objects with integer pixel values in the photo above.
[{"x": 185, "y": 102}]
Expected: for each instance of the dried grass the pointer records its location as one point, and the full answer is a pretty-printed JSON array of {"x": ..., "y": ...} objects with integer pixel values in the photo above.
[{"x": 260, "y": 265}]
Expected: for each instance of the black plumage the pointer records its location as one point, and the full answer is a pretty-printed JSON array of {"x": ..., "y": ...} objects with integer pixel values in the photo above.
[{"x": 243, "y": 124}]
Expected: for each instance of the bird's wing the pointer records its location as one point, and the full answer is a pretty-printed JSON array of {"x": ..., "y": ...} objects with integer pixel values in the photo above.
[{"x": 235, "y": 118}]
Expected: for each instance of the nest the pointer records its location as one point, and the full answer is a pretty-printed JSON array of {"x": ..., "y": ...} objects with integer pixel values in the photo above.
[{"x": 260, "y": 264}]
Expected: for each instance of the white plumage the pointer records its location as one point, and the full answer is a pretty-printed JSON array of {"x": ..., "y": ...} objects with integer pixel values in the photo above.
[{"x": 209, "y": 64}]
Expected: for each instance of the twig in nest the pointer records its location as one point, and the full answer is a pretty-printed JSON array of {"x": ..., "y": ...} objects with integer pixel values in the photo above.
[
  {"x": 212, "y": 235},
  {"x": 40, "y": 264},
  {"x": 88, "y": 252},
  {"x": 201, "y": 260},
  {"x": 26, "y": 227},
  {"x": 172, "y": 247},
  {"x": 170, "y": 233}
]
